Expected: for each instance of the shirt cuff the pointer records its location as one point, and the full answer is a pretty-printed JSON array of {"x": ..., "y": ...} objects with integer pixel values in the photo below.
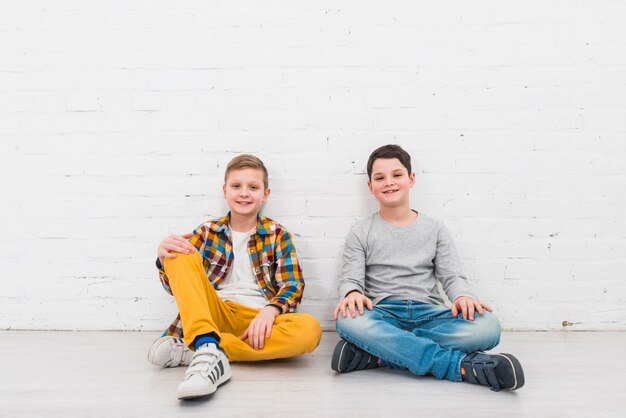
[
  {"x": 280, "y": 304},
  {"x": 280, "y": 309},
  {"x": 466, "y": 294},
  {"x": 346, "y": 288}
]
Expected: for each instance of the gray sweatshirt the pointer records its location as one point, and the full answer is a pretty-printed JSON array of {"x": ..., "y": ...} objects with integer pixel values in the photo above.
[{"x": 384, "y": 261}]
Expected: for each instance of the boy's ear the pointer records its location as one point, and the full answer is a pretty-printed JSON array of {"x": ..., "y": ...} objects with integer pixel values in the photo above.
[
  {"x": 411, "y": 179},
  {"x": 266, "y": 194},
  {"x": 369, "y": 186},
  {"x": 224, "y": 190}
]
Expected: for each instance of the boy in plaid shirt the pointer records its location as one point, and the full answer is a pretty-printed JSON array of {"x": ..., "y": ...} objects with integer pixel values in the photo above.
[{"x": 237, "y": 283}]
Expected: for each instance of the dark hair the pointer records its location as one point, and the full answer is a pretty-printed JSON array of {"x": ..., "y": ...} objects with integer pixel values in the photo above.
[{"x": 389, "y": 151}]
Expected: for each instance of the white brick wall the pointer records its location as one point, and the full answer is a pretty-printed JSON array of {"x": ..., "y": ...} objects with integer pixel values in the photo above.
[{"x": 117, "y": 118}]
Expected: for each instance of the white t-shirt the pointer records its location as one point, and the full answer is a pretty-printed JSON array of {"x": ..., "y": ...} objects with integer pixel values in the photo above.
[{"x": 240, "y": 284}]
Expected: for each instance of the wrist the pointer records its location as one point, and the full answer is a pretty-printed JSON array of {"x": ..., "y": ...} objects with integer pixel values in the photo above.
[{"x": 274, "y": 309}]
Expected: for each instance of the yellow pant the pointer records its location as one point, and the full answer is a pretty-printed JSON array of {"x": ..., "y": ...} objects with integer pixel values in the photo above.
[{"x": 202, "y": 311}]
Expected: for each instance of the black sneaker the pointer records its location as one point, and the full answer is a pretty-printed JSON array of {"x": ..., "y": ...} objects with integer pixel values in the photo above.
[
  {"x": 498, "y": 371},
  {"x": 347, "y": 357}
]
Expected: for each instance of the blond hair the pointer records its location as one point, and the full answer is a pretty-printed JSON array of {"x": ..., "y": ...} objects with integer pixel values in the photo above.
[{"x": 246, "y": 161}]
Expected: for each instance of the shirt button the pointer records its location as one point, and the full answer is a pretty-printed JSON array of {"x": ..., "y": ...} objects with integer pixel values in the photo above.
[{"x": 256, "y": 270}]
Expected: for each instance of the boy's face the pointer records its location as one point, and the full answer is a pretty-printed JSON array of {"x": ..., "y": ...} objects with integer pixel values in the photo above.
[
  {"x": 245, "y": 191},
  {"x": 390, "y": 182}
]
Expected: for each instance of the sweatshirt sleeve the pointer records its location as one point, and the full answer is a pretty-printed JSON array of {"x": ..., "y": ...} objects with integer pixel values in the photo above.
[
  {"x": 448, "y": 267},
  {"x": 353, "y": 274}
]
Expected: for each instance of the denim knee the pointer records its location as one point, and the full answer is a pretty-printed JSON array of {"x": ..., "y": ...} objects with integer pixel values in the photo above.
[
  {"x": 487, "y": 334},
  {"x": 362, "y": 325}
]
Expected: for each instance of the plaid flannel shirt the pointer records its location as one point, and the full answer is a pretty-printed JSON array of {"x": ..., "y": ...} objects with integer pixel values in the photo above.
[{"x": 272, "y": 255}]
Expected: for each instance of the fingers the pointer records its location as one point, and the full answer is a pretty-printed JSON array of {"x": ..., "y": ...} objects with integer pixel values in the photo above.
[
  {"x": 256, "y": 337},
  {"x": 261, "y": 336},
  {"x": 176, "y": 247},
  {"x": 352, "y": 308},
  {"x": 175, "y": 244},
  {"x": 180, "y": 241},
  {"x": 251, "y": 335},
  {"x": 470, "y": 310},
  {"x": 468, "y": 307},
  {"x": 359, "y": 305},
  {"x": 259, "y": 330},
  {"x": 336, "y": 311},
  {"x": 163, "y": 254},
  {"x": 352, "y": 304},
  {"x": 463, "y": 304},
  {"x": 479, "y": 308},
  {"x": 187, "y": 235}
]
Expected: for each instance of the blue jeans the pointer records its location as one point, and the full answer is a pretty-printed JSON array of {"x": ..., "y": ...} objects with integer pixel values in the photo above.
[{"x": 420, "y": 337}]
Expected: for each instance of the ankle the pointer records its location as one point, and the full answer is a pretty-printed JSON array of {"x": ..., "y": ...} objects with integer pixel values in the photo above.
[{"x": 206, "y": 339}]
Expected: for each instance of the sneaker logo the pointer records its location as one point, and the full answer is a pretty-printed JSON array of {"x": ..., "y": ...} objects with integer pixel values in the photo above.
[{"x": 216, "y": 373}]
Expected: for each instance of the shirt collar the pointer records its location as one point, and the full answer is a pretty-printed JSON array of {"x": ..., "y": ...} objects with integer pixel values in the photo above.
[{"x": 222, "y": 225}]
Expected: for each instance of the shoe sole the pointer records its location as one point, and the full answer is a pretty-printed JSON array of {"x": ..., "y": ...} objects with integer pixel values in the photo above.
[
  {"x": 197, "y": 393},
  {"x": 518, "y": 372},
  {"x": 338, "y": 356},
  {"x": 156, "y": 345}
]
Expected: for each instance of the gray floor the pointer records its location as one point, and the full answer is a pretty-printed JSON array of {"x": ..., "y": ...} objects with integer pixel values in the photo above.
[{"x": 106, "y": 374}]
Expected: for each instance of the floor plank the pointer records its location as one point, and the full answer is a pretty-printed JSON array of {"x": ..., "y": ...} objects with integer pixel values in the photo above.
[{"x": 97, "y": 374}]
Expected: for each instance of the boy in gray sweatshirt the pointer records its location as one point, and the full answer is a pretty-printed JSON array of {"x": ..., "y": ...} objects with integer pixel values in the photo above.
[{"x": 390, "y": 311}]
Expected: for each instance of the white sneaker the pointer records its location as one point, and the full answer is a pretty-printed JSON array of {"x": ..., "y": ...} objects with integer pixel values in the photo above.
[
  {"x": 208, "y": 369},
  {"x": 170, "y": 352}
]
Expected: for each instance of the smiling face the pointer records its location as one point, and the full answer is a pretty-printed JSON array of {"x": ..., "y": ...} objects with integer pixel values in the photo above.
[
  {"x": 245, "y": 192},
  {"x": 390, "y": 182}
]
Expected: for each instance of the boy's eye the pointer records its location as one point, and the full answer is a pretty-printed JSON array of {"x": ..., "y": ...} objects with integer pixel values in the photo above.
[
  {"x": 235, "y": 186},
  {"x": 253, "y": 187}
]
